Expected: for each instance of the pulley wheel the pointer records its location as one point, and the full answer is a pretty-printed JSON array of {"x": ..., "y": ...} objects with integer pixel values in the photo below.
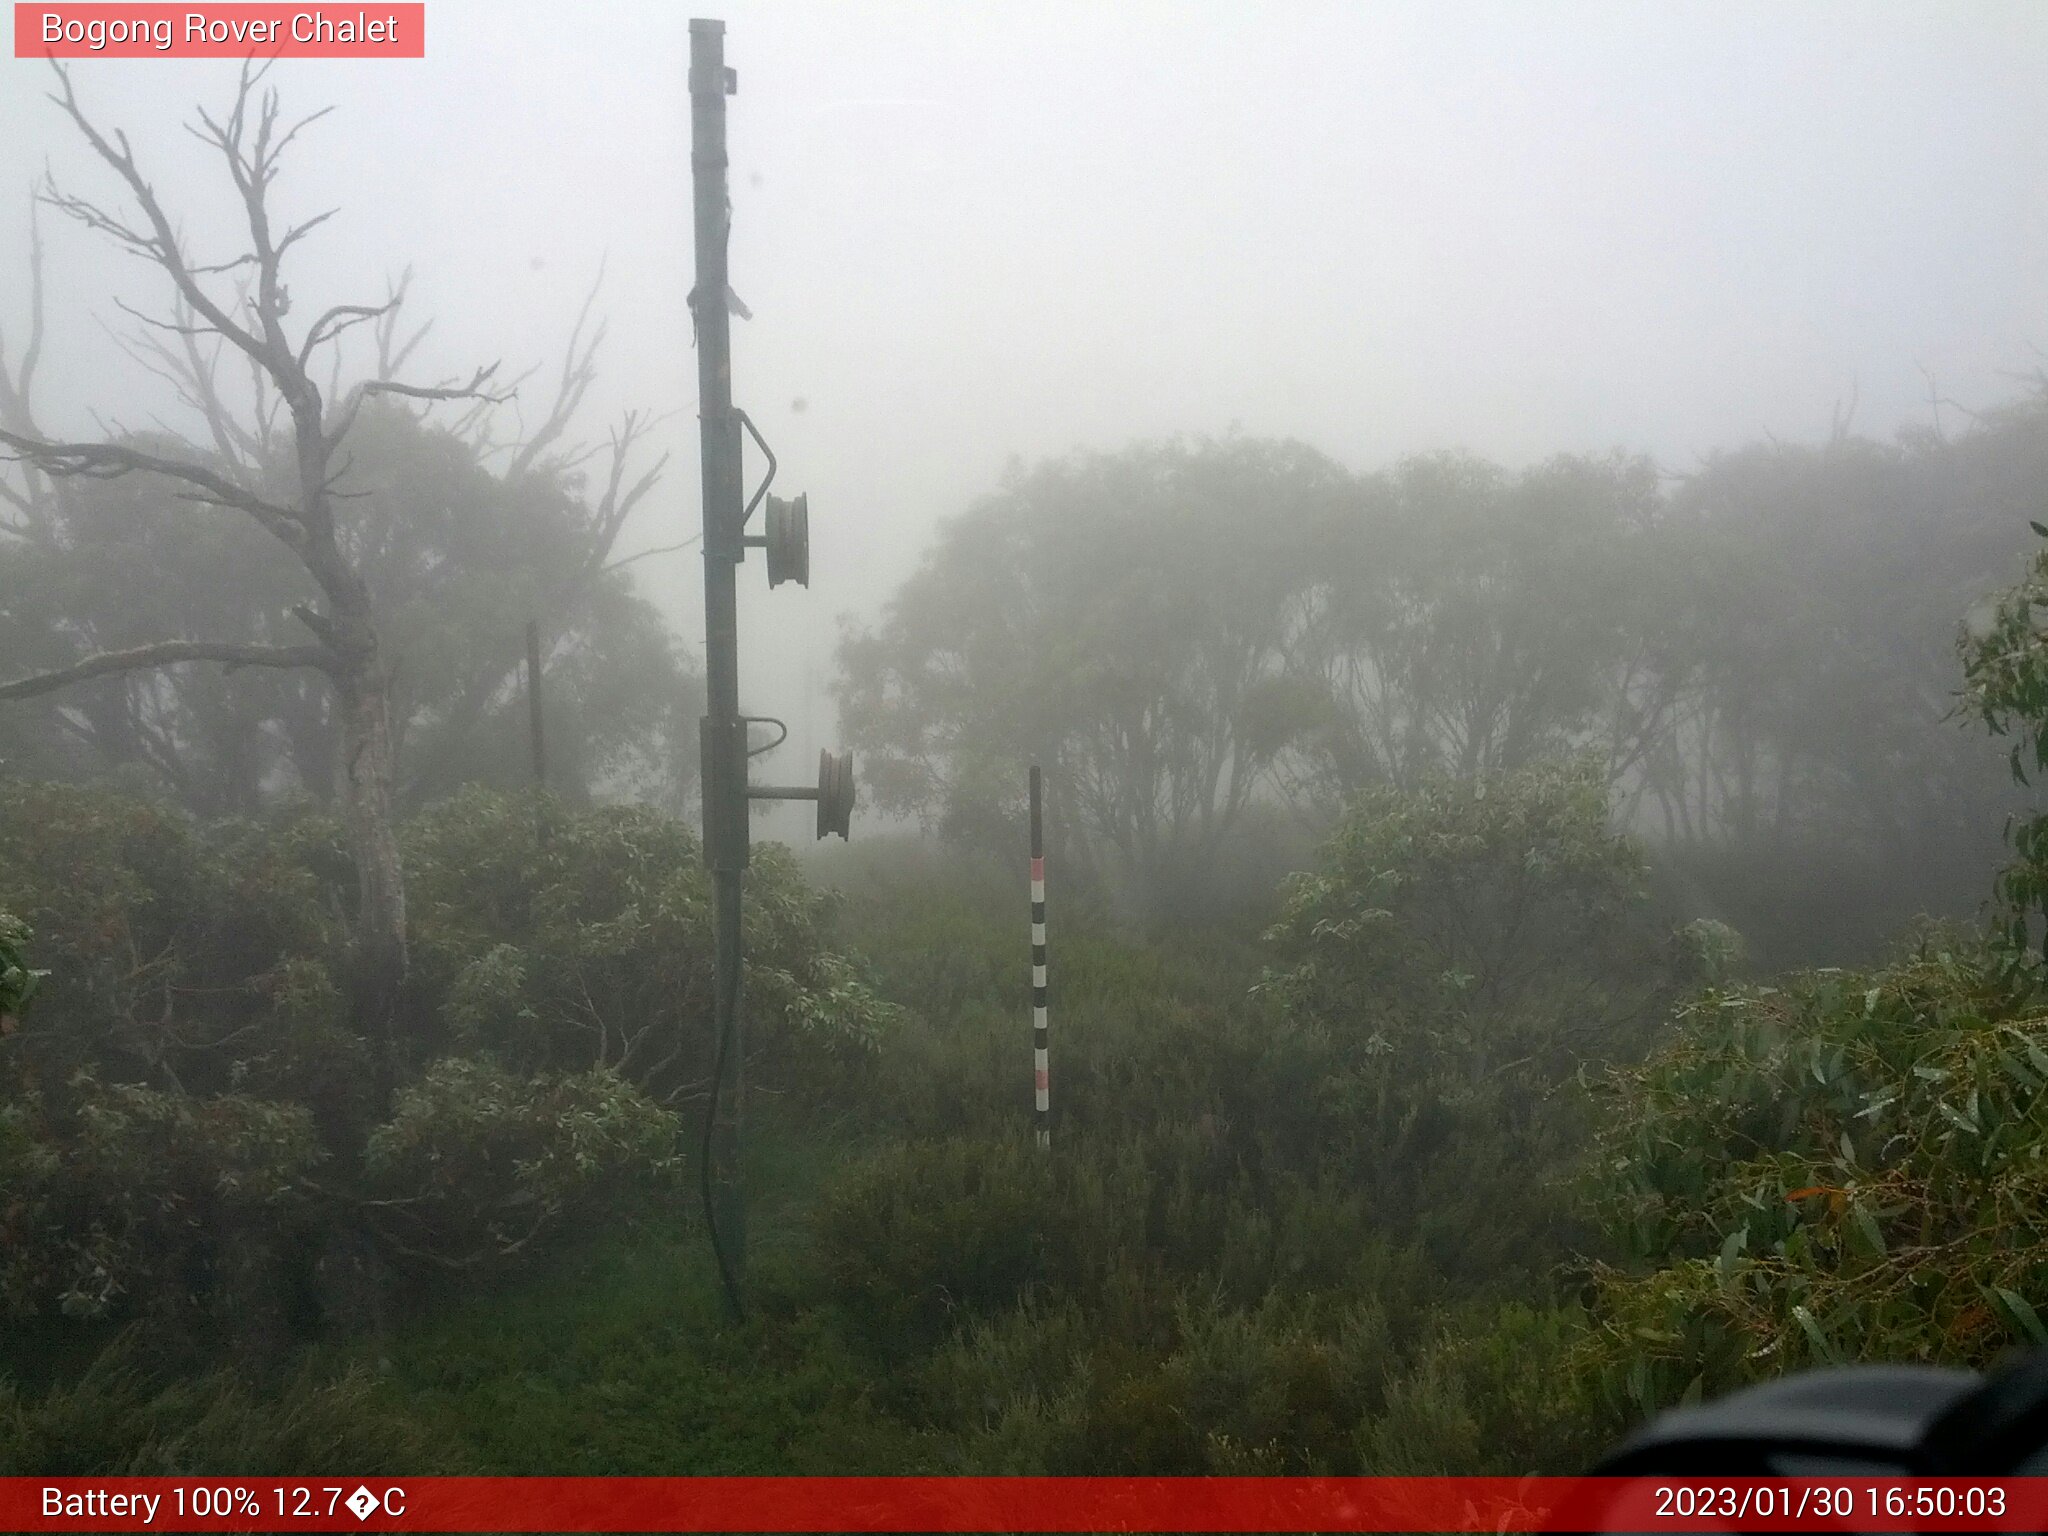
[
  {"x": 789, "y": 541},
  {"x": 835, "y": 793}
]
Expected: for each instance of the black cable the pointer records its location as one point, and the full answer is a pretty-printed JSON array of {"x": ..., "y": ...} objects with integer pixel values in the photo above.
[{"x": 725, "y": 1275}]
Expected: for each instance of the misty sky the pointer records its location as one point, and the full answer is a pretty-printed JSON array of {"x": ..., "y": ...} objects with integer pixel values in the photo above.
[{"x": 972, "y": 231}]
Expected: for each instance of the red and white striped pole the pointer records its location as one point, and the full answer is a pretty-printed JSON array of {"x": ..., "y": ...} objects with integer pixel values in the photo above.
[{"x": 1041, "y": 1060}]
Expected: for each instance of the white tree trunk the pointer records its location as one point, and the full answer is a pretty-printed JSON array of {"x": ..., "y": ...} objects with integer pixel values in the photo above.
[{"x": 366, "y": 773}]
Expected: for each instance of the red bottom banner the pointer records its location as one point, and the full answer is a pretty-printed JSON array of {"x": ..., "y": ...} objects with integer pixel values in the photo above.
[{"x": 1021, "y": 1504}]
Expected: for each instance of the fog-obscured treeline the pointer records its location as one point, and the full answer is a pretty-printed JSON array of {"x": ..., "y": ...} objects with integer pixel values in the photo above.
[
  {"x": 461, "y": 546},
  {"x": 1213, "y": 645}
]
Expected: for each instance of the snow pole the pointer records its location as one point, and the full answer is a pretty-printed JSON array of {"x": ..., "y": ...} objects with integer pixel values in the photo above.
[{"x": 1040, "y": 1044}]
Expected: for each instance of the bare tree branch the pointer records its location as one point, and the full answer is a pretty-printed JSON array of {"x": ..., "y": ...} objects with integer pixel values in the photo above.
[
  {"x": 107, "y": 461},
  {"x": 192, "y": 376},
  {"x": 578, "y": 372},
  {"x": 235, "y": 442},
  {"x": 299, "y": 231},
  {"x": 16, "y": 408},
  {"x": 666, "y": 549},
  {"x": 14, "y": 392},
  {"x": 317, "y": 623},
  {"x": 177, "y": 327},
  {"x": 252, "y": 171},
  {"x": 615, "y": 506},
  {"x": 385, "y": 318},
  {"x": 340, "y": 318},
  {"x": 232, "y": 264},
  {"x": 473, "y": 390},
  {"x": 161, "y": 245},
  {"x": 169, "y": 653},
  {"x": 473, "y": 426},
  {"x": 1844, "y": 415},
  {"x": 391, "y": 353}
]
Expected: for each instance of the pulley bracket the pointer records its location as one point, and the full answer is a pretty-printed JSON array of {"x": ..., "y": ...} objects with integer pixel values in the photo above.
[{"x": 834, "y": 793}]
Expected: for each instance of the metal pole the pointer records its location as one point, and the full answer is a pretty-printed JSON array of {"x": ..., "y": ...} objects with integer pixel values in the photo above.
[
  {"x": 1041, "y": 1052},
  {"x": 534, "y": 719},
  {"x": 723, "y": 735}
]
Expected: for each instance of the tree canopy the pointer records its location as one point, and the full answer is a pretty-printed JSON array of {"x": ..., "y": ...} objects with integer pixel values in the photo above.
[
  {"x": 457, "y": 558},
  {"x": 1120, "y": 619},
  {"x": 1190, "y": 635}
]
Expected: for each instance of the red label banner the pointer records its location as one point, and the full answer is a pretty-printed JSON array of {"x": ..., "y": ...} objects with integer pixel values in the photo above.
[
  {"x": 100, "y": 31},
  {"x": 1022, "y": 1504}
]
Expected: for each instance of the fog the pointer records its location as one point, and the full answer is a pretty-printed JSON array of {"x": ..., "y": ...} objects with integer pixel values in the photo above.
[
  {"x": 1513, "y": 540},
  {"x": 973, "y": 233}
]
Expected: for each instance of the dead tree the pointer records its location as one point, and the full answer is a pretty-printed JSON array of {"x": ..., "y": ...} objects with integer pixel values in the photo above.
[
  {"x": 290, "y": 420},
  {"x": 541, "y": 452}
]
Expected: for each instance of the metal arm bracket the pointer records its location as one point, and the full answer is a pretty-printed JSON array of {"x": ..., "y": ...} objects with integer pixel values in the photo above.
[{"x": 767, "y": 479}]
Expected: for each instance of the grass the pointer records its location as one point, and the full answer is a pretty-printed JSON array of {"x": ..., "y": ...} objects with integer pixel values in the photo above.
[
  {"x": 616, "y": 1354},
  {"x": 614, "y": 1357},
  {"x": 619, "y": 1357}
]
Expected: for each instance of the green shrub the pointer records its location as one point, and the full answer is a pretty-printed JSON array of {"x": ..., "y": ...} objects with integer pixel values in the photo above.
[
  {"x": 199, "y": 963},
  {"x": 477, "y": 1167},
  {"x": 1836, "y": 1168},
  {"x": 125, "y": 1418},
  {"x": 18, "y": 982},
  {"x": 1470, "y": 924},
  {"x": 1069, "y": 1388},
  {"x": 593, "y": 949},
  {"x": 1461, "y": 952},
  {"x": 2005, "y": 685},
  {"x": 921, "y": 1236},
  {"x": 1507, "y": 1393},
  {"x": 133, "y": 1200},
  {"x": 1848, "y": 1167},
  {"x": 190, "y": 1100},
  {"x": 1278, "y": 1388},
  {"x": 1009, "y": 1388}
]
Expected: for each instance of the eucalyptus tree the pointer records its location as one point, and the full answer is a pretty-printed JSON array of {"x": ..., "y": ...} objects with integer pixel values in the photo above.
[
  {"x": 1819, "y": 783},
  {"x": 1464, "y": 620},
  {"x": 1119, "y": 618},
  {"x": 277, "y": 458}
]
